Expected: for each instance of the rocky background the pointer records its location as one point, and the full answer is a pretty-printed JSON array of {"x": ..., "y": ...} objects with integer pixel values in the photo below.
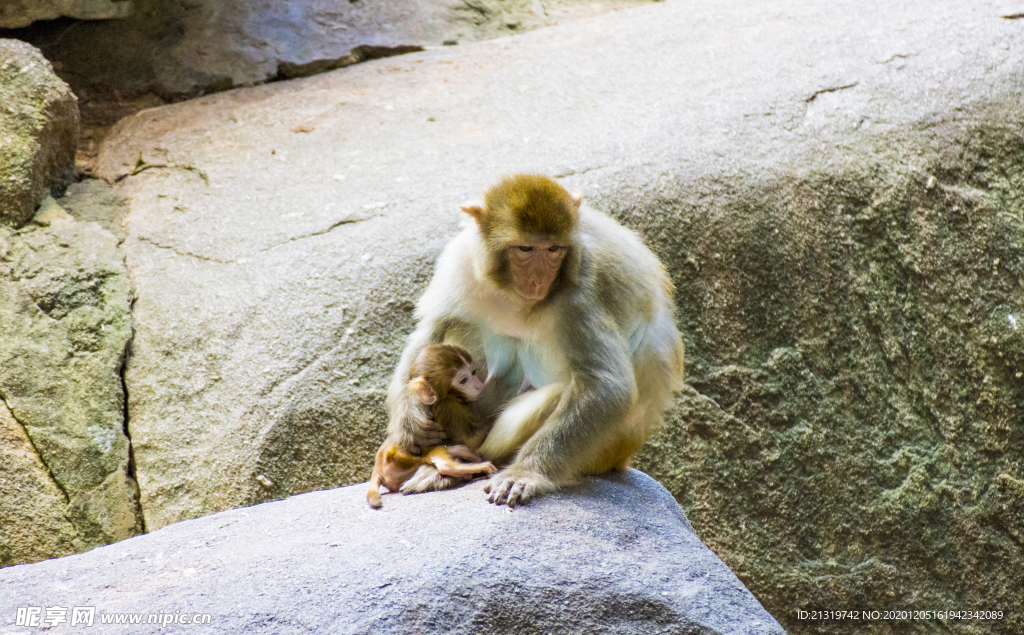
[
  {"x": 169, "y": 50},
  {"x": 836, "y": 192},
  {"x": 66, "y": 478},
  {"x": 20, "y": 13}
]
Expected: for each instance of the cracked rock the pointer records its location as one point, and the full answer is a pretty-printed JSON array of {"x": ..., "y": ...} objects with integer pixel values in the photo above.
[
  {"x": 33, "y": 508},
  {"x": 177, "y": 49},
  {"x": 64, "y": 331},
  {"x": 847, "y": 273}
]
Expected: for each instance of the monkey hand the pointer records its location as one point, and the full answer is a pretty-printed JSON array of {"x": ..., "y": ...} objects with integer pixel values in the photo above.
[
  {"x": 427, "y": 436},
  {"x": 514, "y": 486}
]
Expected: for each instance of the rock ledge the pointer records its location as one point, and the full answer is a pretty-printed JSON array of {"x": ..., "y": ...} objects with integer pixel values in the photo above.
[{"x": 614, "y": 555}]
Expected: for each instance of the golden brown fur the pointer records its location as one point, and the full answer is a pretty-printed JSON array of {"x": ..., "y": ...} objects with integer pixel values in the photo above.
[
  {"x": 600, "y": 344},
  {"x": 434, "y": 380}
]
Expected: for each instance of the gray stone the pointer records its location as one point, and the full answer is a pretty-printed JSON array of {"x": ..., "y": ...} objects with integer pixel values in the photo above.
[
  {"x": 180, "y": 49},
  {"x": 64, "y": 328},
  {"x": 38, "y": 132},
  {"x": 18, "y": 13},
  {"x": 614, "y": 555},
  {"x": 93, "y": 201},
  {"x": 834, "y": 189}
]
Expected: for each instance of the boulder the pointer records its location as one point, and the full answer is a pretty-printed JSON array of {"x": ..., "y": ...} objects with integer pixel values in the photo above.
[
  {"x": 32, "y": 506},
  {"x": 835, "y": 191},
  {"x": 18, "y": 13},
  {"x": 38, "y": 132},
  {"x": 178, "y": 49},
  {"x": 614, "y": 555},
  {"x": 66, "y": 477}
]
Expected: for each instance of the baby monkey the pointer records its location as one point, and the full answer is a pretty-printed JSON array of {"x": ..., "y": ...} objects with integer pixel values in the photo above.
[{"x": 443, "y": 379}]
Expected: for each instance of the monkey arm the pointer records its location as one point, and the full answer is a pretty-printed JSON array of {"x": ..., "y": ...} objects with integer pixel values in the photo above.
[
  {"x": 591, "y": 414},
  {"x": 410, "y": 426}
]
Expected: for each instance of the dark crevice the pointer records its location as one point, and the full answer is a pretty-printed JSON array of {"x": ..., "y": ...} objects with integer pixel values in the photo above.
[
  {"x": 365, "y": 53},
  {"x": 139, "y": 169},
  {"x": 42, "y": 458},
  {"x": 574, "y": 172},
  {"x": 482, "y": 11},
  {"x": 897, "y": 56},
  {"x": 122, "y": 369},
  {"x": 829, "y": 90},
  {"x": 184, "y": 253},
  {"x": 130, "y": 470},
  {"x": 347, "y": 221},
  {"x": 328, "y": 229}
]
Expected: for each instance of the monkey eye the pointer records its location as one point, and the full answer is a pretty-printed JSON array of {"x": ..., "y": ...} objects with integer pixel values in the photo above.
[
  {"x": 464, "y": 380},
  {"x": 555, "y": 249},
  {"x": 524, "y": 249},
  {"x": 474, "y": 372}
]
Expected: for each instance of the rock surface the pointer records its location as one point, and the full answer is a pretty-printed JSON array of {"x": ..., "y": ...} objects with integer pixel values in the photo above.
[
  {"x": 615, "y": 555},
  {"x": 38, "y": 132},
  {"x": 178, "y": 49},
  {"x": 18, "y": 13},
  {"x": 66, "y": 481},
  {"x": 836, "y": 191},
  {"x": 32, "y": 506}
]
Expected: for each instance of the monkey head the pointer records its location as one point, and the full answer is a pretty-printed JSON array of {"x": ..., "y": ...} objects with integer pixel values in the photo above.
[
  {"x": 528, "y": 225},
  {"x": 445, "y": 369}
]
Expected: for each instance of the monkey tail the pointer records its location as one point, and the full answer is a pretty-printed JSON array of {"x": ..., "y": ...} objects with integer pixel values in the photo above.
[
  {"x": 523, "y": 416},
  {"x": 373, "y": 494},
  {"x": 428, "y": 479}
]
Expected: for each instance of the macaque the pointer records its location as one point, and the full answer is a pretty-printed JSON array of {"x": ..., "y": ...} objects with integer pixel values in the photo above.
[
  {"x": 565, "y": 300},
  {"x": 445, "y": 380}
]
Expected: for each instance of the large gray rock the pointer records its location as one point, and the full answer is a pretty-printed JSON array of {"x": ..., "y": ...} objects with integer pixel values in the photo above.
[
  {"x": 180, "y": 49},
  {"x": 66, "y": 479},
  {"x": 38, "y": 132},
  {"x": 615, "y": 555},
  {"x": 18, "y": 13},
  {"x": 835, "y": 190}
]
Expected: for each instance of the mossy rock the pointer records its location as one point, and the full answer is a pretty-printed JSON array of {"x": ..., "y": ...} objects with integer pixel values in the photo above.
[{"x": 38, "y": 132}]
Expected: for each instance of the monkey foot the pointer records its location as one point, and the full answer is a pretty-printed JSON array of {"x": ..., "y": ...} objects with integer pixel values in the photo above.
[{"x": 510, "y": 490}]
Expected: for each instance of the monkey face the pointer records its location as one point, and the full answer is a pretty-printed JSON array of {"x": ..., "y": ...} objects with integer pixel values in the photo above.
[
  {"x": 467, "y": 382},
  {"x": 534, "y": 266}
]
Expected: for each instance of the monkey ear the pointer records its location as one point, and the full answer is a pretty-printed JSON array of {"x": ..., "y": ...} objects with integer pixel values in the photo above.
[
  {"x": 423, "y": 390},
  {"x": 474, "y": 209},
  {"x": 577, "y": 198}
]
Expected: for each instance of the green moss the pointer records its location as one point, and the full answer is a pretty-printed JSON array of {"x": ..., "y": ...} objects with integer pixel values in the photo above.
[
  {"x": 856, "y": 336},
  {"x": 38, "y": 131},
  {"x": 65, "y": 325}
]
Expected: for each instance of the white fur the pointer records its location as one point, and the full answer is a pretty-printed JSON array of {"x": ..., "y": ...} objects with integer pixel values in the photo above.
[{"x": 512, "y": 427}]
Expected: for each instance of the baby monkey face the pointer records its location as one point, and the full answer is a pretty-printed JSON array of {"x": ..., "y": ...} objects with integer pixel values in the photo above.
[{"x": 467, "y": 382}]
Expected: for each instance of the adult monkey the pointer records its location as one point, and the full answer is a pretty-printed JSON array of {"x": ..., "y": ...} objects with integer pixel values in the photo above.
[{"x": 562, "y": 298}]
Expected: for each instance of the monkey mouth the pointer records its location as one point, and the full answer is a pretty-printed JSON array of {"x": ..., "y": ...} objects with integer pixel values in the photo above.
[
  {"x": 535, "y": 291},
  {"x": 533, "y": 296}
]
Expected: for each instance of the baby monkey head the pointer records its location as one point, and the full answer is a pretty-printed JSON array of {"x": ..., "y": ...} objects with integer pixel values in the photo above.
[
  {"x": 441, "y": 370},
  {"x": 528, "y": 225}
]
